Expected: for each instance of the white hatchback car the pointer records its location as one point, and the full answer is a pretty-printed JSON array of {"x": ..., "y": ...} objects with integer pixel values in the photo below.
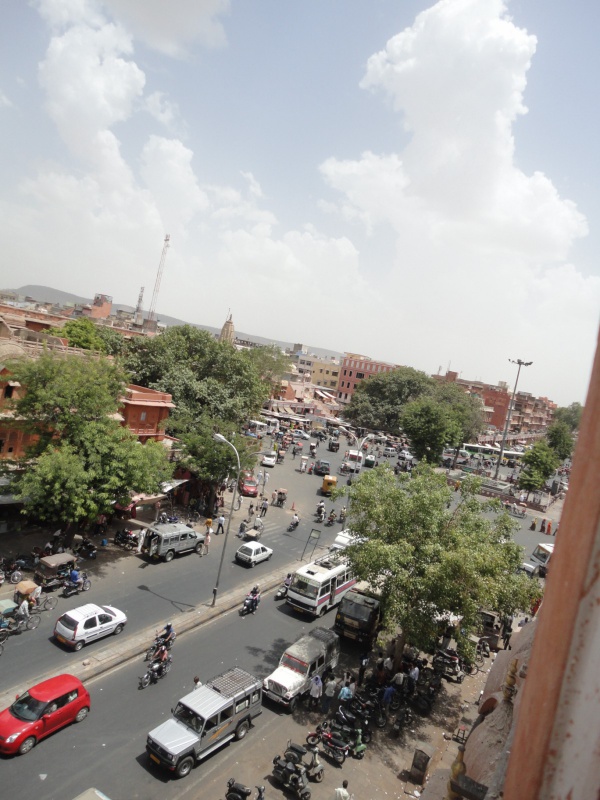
[
  {"x": 269, "y": 459},
  {"x": 300, "y": 434},
  {"x": 88, "y": 623},
  {"x": 253, "y": 553}
]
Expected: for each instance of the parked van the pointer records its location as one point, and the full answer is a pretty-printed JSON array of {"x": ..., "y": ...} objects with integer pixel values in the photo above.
[
  {"x": 203, "y": 720},
  {"x": 537, "y": 565},
  {"x": 164, "y": 540},
  {"x": 311, "y": 655}
]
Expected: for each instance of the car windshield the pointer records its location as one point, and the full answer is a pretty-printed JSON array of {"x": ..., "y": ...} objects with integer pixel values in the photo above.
[
  {"x": 293, "y": 663},
  {"x": 246, "y": 551},
  {"x": 301, "y": 586},
  {"x": 356, "y": 610},
  {"x": 68, "y": 622},
  {"x": 249, "y": 482},
  {"x": 185, "y": 715},
  {"x": 109, "y": 611},
  {"x": 27, "y": 708}
]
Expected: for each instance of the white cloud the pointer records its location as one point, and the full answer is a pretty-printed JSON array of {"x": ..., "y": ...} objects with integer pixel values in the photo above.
[
  {"x": 480, "y": 246},
  {"x": 162, "y": 109},
  {"x": 4, "y": 100},
  {"x": 170, "y": 27}
]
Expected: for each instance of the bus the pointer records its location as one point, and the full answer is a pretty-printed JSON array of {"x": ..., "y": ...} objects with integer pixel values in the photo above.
[
  {"x": 320, "y": 585},
  {"x": 491, "y": 451}
]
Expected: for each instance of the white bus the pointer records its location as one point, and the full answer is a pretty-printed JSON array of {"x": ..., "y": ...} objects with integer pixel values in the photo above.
[{"x": 320, "y": 585}]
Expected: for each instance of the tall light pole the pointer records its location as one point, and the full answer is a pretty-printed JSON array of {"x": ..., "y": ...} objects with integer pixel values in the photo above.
[
  {"x": 218, "y": 437},
  {"x": 510, "y": 408}
]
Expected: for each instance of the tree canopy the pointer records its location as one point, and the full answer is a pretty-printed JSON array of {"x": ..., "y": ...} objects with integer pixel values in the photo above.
[
  {"x": 82, "y": 460},
  {"x": 560, "y": 439},
  {"x": 377, "y": 402},
  {"x": 539, "y": 464},
  {"x": 206, "y": 378},
  {"x": 81, "y": 332},
  {"x": 430, "y": 426},
  {"x": 428, "y": 559},
  {"x": 570, "y": 415}
]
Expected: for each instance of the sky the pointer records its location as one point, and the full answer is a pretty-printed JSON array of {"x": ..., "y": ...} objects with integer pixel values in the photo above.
[{"x": 411, "y": 180}]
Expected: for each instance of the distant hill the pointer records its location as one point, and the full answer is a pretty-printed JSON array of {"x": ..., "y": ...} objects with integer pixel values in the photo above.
[{"x": 46, "y": 294}]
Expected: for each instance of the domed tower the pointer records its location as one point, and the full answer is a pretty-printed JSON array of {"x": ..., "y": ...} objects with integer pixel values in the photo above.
[{"x": 228, "y": 331}]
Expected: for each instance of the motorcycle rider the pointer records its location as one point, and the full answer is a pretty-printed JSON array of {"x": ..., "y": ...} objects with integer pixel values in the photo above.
[
  {"x": 295, "y": 521},
  {"x": 255, "y": 596},
  {"x": 343, "y": 514},
  {"x": 331, "y": 518},
  {"x": 321, "y": 507},
  {"x": 161, "y": 657},
  {"x": 168, "y": 634},
  {"x": 288, "y": 580},
  {"x": 75, "y": 578}
]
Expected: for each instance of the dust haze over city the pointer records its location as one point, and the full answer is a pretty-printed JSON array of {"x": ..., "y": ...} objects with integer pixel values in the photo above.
[{"x": 414, "y": 181}]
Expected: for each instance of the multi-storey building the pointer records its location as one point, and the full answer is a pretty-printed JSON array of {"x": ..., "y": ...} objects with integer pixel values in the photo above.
[{"x": 354, "y": 369}]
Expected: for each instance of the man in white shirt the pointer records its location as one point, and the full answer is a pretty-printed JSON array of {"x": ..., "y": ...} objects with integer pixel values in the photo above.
[{"x": 342, "y": 793}]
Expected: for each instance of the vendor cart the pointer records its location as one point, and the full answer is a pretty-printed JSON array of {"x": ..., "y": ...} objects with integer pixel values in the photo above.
[
  {"x": 254, "y": 534},
  {"x": 303, "y": 463}
]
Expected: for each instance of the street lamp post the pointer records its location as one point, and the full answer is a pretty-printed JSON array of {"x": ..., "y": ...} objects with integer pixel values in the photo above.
[
  {"x": 218, "y": 437},
  {"x": 510, "y": 408}
]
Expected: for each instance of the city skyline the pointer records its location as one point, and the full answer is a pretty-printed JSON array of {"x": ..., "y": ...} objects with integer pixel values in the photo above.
[{"x": 415, "y": 182}]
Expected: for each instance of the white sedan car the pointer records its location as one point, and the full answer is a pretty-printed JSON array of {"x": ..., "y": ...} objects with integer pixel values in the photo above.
[
  {"x": 299, "y": 434},
  {"x": 253, "y": 553},
  {"x": 269, "y": 459},
  {"x": 87, "y": 623}
]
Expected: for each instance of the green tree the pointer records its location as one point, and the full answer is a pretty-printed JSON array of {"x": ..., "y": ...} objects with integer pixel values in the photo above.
[
  {"x": 81, "y": 333},
  {"x": 428, "y": 559},
  {"x": 377, "y": 402},
  {"x": 204, "y": 376},
  {"x": 539, "y": 464},
  {"x": 270, "y": 363},
  {"x": 467, "y": 409},
  {"x": 82, "y": 460},
  {"x": 213, "y": 461},
  {"x": 430, "y": 426},
  {"x": 113, "y": 342},
  {"x": 560, "y": 439},
  {"x": 571, "y": 415}
]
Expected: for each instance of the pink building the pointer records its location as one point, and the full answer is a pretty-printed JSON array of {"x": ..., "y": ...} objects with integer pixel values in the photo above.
[{"x": 354, "y": 369}]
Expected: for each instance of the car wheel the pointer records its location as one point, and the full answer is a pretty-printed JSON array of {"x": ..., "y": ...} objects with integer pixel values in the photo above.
[
  {"x": 118, "y": 629},
  {"x": 27, "y": 745},
  {"x": 169, "y": 557},
  {"x": 82, "y": 714},
  {"x": 199, "y": 548},
  {"x": 253, "y": 564},
  {"x": 241, "y": 730},
  {"x": 78, "y": 645},
  {"x": 293, "y": 705},
  {"x": 184, "y": 767}
]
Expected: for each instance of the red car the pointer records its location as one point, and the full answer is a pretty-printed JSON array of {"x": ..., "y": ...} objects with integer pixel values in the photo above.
[
  {"x": 45, "y": 708},
  {"x": 248, "y": 486}
]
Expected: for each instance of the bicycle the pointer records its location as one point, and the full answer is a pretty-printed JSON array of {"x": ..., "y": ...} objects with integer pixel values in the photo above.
[
  {"x": 47, "y": 604},
  {"x": 18, "y": 625}
]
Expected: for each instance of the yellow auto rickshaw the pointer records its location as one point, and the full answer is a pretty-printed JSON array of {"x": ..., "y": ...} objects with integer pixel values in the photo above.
[{"x": 329, "y": 484}]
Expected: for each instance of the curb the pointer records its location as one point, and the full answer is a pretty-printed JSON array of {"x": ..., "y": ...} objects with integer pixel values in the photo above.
[{"x": 117, "y": 655}]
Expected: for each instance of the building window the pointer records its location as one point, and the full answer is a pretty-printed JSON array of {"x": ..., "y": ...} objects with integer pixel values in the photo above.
[
  {"x": 360, "y": 375},
  {"x": 346, "y": 396},
  {"x": 143, "y": 416},
  {"x": 345, "y": 372},
  {"x": 350, "y": 373}
]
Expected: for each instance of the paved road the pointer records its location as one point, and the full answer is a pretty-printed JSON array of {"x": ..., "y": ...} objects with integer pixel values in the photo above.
[{"x": 151, "y": 593}]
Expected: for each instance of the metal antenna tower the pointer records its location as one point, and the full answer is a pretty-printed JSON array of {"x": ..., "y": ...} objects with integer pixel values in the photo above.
[
  {"x": 161, "y": 266},
  {"x": 138, "y": 308}
]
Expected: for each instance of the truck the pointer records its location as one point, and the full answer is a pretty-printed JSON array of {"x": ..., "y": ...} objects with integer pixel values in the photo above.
[
  {"x": 205, "y": 719},
  {"x": 311, "y": 655},
  {"x": 359, "y": 614}
]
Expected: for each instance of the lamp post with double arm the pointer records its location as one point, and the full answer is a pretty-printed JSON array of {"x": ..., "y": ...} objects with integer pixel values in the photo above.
[
  {"x": 510, "y": 410},
  {"x": 218, "y": 437}
]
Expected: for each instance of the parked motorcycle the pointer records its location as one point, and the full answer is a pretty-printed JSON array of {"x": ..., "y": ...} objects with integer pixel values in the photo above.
[
  {"x": 165, "y": 518},
  {"x": 70, "y": 588},
  {"x": 353, "y": 736},
  {"x": 332, "y": 746},
  {"x": 155, "y": 671},
  {"x": 250, "y": 604},
  {"x": 237, "y": 791},
  {"x": 403, "y": 718},
  {"x": 126, "y": 538},
  {"x": 87, "y": 549},
  {"x": 361, "y": 719},
  {"x": 158, "y": 642},
  {"x": 449, "y": 663},
  {"x": 292, "y": 777},
  {"x": 295, "y": 753}
]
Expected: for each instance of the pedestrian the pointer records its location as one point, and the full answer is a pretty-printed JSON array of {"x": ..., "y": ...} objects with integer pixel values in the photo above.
[
  {"x": 141, "y": 537},
  {"x": 387, "y": 698},
  {"x": 264, "y": 507},
  {"x": 273, "y": 498},
  {"x": 221, "y": 525},
  {"x": 316, "y": 690},
  {"x": 250, "y": 511},
  {"x": 294, "y": 453},
  {"x": 345, "y": 694},
  {"x": 342, "y": 793},
  {"x": 506, "y": 637},
  {"x": 208, "y": 523},
  {"x": 207, "y": 540},
  {"x": 197, "y": 682},
  {"x": 543, "y": 526},
  {"x": 549, "y": 528},
  {"x": 328, "y": 693},
  {"x": 240, "y": 500},
  {"x": 242, "y": 530},
  {"x": 259, "y": 476},
  {"x": 364, "y": 662},
  {"x": 533, "y": 525}
]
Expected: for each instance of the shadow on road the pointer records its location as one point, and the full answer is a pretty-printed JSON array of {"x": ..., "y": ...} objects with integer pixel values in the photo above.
[{"x": 177, "y": 604}]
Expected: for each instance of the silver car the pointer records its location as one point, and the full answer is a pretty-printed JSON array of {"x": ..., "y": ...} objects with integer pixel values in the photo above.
[{"x": 253, "y": 553}]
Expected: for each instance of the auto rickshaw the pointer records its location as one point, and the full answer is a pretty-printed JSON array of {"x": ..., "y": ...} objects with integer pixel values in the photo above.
[
  {"x": 52, "y": 571},
  {"x": 333, "y": 446},
  {"x": 490, "y": 628},
  {"x": 281, "y": 497},
  {"x": 280, "y": 456},
  {"x": 370, "y": 461},
  {"x": 313, "y": 449},
  {"x": 329, "y": 484}
]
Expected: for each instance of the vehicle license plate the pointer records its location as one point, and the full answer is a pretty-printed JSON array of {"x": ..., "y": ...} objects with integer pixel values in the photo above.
[{"x": 155, "y": 758}]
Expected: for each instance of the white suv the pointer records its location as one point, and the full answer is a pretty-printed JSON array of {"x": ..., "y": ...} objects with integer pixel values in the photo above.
[{"x": 87, "y": 623}]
